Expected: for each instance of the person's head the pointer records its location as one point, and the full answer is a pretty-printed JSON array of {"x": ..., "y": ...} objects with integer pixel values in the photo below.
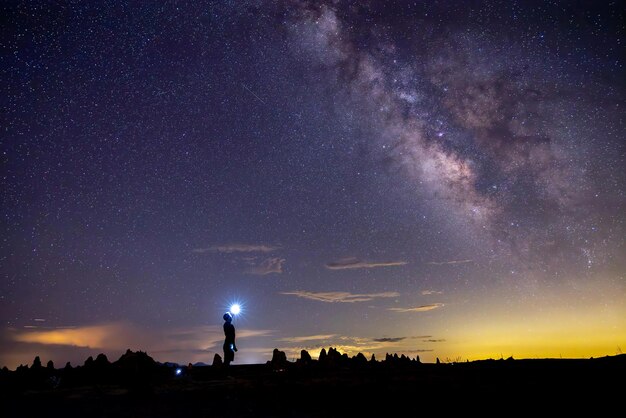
[{"x": 228, "y": 317}]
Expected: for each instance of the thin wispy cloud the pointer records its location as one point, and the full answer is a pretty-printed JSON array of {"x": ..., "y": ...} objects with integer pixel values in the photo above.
[
  {"x": 431, "y": 292},
  {"x": 355, "y": 263},
  {"x": 237, "y": 248},
  {"x": 269, "y": 265},
  {"x": 449, "y": 262},
  {"x": 340, "y": 297},
  {"x": 423, "y": 308},
  {"x": 389, "y": 339},
  {"x": 434, "y": 340}
]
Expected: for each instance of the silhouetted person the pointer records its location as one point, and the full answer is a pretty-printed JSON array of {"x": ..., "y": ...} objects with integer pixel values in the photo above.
[{"x": 229, "y": 341}]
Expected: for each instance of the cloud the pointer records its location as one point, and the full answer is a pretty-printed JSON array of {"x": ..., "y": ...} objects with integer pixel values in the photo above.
[
  {"x": 354, "y": 263},
  {"x": 422, "y": 308},
  {"x": 432, "y": 292},
  {"x": 237, "y": 248},
  {"x": 269, "y": 265},
  {"x": 434, "y": 340},
  {"x": 389, "y": 339},
  {"x": 450, "y": 262},
  {"x": 344, "y": 297},
  {"x": 99, "y": 336},
  {"x": 307, "y": 338}
]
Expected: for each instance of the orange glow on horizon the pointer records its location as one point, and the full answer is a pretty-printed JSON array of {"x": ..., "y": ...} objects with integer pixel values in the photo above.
[{"x": 99, "y": 336}]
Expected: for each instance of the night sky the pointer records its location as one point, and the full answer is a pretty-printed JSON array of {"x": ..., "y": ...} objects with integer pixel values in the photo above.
[{"x": 436, "y": 178}]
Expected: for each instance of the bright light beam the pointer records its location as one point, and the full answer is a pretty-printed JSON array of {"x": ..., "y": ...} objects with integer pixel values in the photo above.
[{"x": 235, "y": 309}]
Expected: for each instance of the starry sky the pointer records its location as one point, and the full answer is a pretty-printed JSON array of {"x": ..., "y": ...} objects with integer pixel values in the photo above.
[{"x": 434, "y": 178}]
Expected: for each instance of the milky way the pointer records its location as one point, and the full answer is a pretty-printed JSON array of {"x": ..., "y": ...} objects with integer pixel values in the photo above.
[
  {"x": 431, "y": 178},
  {"x": 486, "y": 124}
]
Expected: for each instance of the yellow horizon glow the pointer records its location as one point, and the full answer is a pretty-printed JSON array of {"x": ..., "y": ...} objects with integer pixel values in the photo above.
[
  {"x": 582, "y": 321},
  {"x": 558, "y": 326}
]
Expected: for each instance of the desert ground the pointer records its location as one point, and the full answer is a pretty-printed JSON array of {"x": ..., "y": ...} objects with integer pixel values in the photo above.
[{"x": 136, "y": 386}]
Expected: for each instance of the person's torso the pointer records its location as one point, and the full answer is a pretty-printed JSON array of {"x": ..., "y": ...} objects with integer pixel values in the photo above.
[{"x": 229, "y": 331}]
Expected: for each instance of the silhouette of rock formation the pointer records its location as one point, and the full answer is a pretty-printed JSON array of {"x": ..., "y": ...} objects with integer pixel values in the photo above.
[
  {"x": 333, "y": 358},
  {"x": 322, "y": 357},
  {"x": 279, "y": 359},
  {"x": 305, "y": 358},
  {"x": 36, "y": 363},
  {"x": 136, "y": 361},
  {"x": 88, "y": 362},
  {"x": 217, "y": 360},
  {"x": 137, "y": 370},
  {"x": 360, "y": 360},
  {"x": 101, "y": 361}
]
